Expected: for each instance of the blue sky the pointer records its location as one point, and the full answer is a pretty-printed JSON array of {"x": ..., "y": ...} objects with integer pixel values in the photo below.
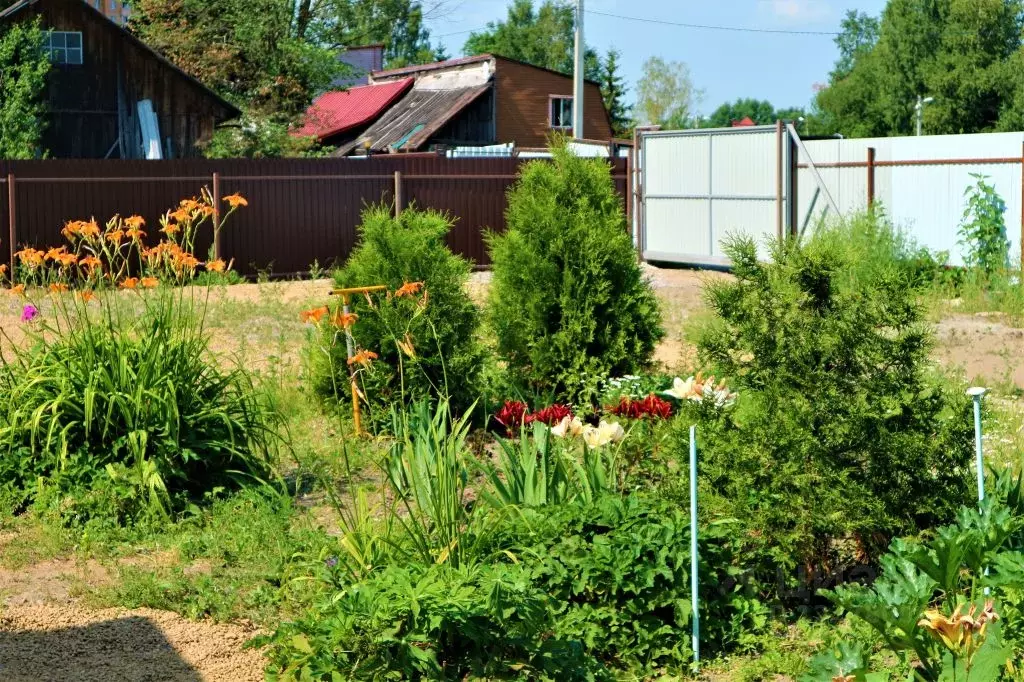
[{"x": 781, "y": 68}]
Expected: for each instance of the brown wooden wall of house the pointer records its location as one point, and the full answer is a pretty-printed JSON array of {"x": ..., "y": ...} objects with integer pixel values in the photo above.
[
  {"x": 83, "y": 99},
  {"x": 523, "y": 106}
]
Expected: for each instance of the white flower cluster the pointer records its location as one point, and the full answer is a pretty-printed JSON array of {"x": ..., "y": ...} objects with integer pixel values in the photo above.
[
  {"x": 593, "y": 436},
  {"x": 696, "y": 388}
]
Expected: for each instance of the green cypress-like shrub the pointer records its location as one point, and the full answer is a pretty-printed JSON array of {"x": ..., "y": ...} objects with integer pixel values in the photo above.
[
  {"x": 843, "y": 435},
  {"x": 568, "y": 302},
  {"x": 426, "y": 342}
]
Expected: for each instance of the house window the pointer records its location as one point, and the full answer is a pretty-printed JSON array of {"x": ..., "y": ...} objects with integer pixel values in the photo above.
[
  {"x": 561, "y": 112},
  {"x": 65, "y": 47}
]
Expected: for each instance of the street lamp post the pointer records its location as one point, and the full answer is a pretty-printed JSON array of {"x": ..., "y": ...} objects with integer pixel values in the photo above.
[{"x": 919, "y": 110}]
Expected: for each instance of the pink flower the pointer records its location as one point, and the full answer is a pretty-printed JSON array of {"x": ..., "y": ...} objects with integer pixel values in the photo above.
[{"x": 29, "y": 313}]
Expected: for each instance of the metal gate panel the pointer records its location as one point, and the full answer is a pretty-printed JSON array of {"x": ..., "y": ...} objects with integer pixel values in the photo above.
[{"x": 698, "y": 187}]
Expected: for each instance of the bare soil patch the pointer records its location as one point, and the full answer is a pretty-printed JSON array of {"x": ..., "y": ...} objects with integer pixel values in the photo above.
[{"x": 44, "y": 643}]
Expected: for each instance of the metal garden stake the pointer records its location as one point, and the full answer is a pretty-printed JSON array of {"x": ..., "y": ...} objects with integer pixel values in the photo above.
[
  {"x": 976, "y": 392},
  {"x": 694, "y": 582},
  {"x": 350, "y": 347}
]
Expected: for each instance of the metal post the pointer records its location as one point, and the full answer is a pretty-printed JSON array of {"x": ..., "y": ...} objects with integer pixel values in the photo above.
[
  {"x": 398, "y": 193},
  {"x": 694, "y": 582},
  {"x": 871, "y": 178},
  {"x": 577, "y": 99},
  {"x": 793, "y": 185},
  {"x": 12, "y": 244},
  {"x": 216, "y": 215},
  {"x": 976, "y": 392},
  {"x": 1022, "y": 202},
  {"x": 350, "y": 350},
  {"x": 778, "y": 179}
]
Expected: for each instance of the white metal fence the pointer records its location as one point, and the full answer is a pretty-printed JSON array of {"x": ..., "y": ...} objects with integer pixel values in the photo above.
[{"x": 697, "y": 187}]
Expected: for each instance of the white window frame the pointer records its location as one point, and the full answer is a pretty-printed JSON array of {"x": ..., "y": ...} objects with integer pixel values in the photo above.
[
  {"x": 60, "y": 53},
  {"x": 551, "y": 110}
]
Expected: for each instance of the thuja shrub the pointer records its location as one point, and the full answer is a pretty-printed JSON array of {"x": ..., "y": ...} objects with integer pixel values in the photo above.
[
  {"x": 115, "y": 408},
  {"x": 843, "y": 434},
  {"x": 568, "y": 302},
  {"x": 423, "y": 331}
]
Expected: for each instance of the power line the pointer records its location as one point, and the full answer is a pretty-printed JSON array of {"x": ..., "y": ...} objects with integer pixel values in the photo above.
[{"x": 709, "y": 27}]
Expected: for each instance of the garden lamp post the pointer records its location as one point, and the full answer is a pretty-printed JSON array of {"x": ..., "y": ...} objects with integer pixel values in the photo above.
[
  {"x": 919, "y": 110},
  {"x": 976, "y": 392}
]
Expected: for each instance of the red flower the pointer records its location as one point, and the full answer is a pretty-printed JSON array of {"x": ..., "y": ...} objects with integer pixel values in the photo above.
[
  {"x": 511, "y": 415},
  {"x": 651, "y": 406},
  {"x": 550, "y": 415}
]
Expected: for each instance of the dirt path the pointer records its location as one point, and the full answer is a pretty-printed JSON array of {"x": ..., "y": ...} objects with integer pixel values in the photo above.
[{"x": 64, "y": 643}]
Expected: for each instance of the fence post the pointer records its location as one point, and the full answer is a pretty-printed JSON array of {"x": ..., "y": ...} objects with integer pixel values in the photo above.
[
  {"x": 398, "y": 193},
  {"x": 216, "y": 215},
  {"x": 13, "y": 239},
  {"x": 794, "y": 186},
  {"x": 871, "y": 177},
  {"x": 778, "y": 179}
]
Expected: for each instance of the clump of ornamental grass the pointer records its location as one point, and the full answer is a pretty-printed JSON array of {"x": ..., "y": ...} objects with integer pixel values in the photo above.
[{"x": 114, "y": 406}]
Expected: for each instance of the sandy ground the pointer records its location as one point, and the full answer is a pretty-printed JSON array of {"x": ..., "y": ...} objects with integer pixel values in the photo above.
[{"x": 47, "y": 634}]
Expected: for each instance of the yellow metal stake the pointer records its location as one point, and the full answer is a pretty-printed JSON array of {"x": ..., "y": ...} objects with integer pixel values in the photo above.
[{"x": 350, "y": 346}]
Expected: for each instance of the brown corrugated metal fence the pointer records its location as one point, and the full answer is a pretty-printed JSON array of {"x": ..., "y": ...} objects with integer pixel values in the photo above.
[{"x": 300, "y": 210}]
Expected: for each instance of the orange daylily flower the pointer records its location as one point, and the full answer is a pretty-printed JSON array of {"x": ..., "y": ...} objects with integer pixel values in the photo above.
[
  {"x": 135, "y": 233},
  {"x": 409, "y": 289},
  {"x": 115, "y": 236},
  {"x": 180, "y": 215},
  {"x": 344, "y": 320},
  {"x": 32, "y": 258},
  {"x": 406, "y": 346},
  {"x": 3, "y": 269},
  {"x": 134, "y": 222},
  {"x": 130, "y": 283},
  {"x": 363, "y": 357},
  {"x": 90, "y": 262},
  {"x": 170, "y": 229},
  {"x": 149, "y": 282},
  {"x": 55, "y": 252},
  {"x": 87, "y": 295},
  {"x": 58, "y": 287},
  {"x": 235, "y": 200},
  {"x": 18, "y": 289},
  {"x": 67, "y": 259},
  {"x": 89, "y": 228},
  {"x": 216, "y": 265},
  {"x": 314, "y": 315}
]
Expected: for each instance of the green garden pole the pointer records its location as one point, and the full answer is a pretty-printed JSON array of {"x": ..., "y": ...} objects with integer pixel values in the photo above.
[
  {"x": 976, "y": 392},
  {"x": 694, "y": 599}
]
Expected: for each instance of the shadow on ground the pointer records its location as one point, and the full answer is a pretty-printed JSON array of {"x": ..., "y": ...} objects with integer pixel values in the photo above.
[{"x": 128, "y": 649}]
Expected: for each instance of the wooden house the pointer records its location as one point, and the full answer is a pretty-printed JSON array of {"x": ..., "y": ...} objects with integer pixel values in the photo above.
[
  {"x": 111, "y": 96},
  {"x": 470, "y": 101}
]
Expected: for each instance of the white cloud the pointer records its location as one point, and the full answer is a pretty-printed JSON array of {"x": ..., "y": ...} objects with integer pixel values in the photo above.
[{"x": 797, "y": 11}]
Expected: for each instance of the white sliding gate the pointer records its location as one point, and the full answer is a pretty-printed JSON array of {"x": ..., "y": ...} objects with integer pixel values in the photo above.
[{"x": 698, "y": 187}]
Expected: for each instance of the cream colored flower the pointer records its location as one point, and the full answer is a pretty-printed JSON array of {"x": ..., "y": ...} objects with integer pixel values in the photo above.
[
  {"x": 681, "y": 390},
  {"x": 569, "y": 426},
  {"x": 603, "y": 434}
]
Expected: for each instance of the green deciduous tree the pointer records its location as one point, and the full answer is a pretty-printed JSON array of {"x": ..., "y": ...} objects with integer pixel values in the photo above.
[
  {"x": 613, "y": 92},
  {"x": 665, "y": 94},
  {"x": 23, "y": 68},
  {"x": 958, "y": 51},
  {"x": 398, "y": 24},
  {"x": 542, "y": 36}
]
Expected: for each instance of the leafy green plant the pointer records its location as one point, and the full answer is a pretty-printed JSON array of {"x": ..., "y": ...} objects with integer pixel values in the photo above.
[
  {"x": 432, "y": 621},
  {"x": 983, "y": 228},
  {"x": 121, "y": 406},
  {"x": 531, "y": 471},
  {"x": 568, "y": 302},
  {"x": 425, "y": 333},
  {"x": 938, "y": 604},
  {"x": 841, "y": 432}
]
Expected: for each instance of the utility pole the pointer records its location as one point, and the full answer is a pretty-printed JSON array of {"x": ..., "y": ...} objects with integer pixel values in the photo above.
[{"x": 577, "y": 98}]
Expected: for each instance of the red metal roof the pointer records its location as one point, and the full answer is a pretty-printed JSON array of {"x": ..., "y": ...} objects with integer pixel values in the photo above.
[
  {"x": 743, "y": 122},
  {"x": 337, "y": 111}
]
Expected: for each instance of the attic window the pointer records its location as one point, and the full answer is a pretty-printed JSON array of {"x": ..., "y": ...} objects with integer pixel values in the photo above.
[
  {"x": 561, "y": 112},
  {"x": 65, "y": 47}
]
